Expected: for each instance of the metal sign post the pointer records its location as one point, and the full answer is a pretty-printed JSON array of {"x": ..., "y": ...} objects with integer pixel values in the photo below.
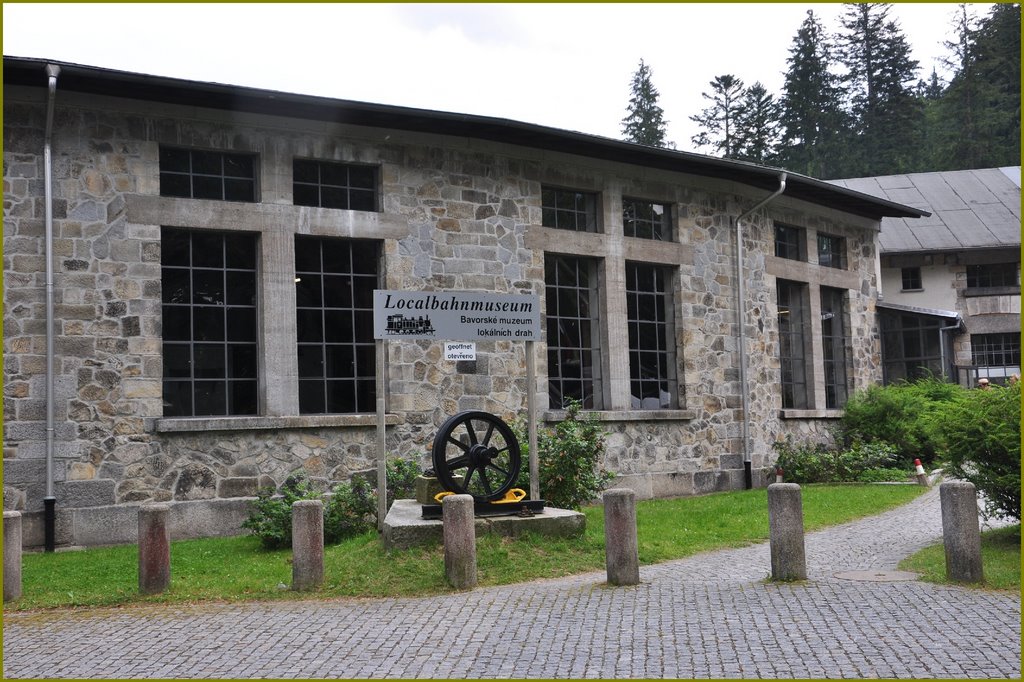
[{"x": 454, "y": 316}]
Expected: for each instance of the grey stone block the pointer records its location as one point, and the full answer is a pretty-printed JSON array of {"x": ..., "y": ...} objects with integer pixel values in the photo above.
[
  {"x": 14, "y": 499},
  {"x": 91, "y": 493},
  {"x": 246, "y": 486}
]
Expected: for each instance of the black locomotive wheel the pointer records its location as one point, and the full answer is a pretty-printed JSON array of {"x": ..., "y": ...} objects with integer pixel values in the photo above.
[{"x": 476, "y": 453}]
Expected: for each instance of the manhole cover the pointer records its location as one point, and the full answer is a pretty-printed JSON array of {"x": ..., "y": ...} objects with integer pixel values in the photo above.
[{"x": 878, "y": 576}]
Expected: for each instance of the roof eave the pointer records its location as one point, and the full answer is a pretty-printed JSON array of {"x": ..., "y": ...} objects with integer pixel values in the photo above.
[{"x": 124, "y": 84}]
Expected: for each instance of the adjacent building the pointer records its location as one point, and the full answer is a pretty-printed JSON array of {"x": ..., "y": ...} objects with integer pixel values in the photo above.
[
  {"x": 950, "y": 294},
  {"x": 214, "y": 251}
]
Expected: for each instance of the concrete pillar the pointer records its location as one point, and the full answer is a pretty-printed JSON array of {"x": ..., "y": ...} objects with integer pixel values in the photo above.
[
  {"x": 459, "y": 531},
  {"x": 307, "y": 544},
  {"x": 154, "y": 549},
  {"x": 622, "y": 560},
  {"x": 961, "y": 532},
  {"x": 786, "y": 532},
  {"x": 12, "y": 555}
]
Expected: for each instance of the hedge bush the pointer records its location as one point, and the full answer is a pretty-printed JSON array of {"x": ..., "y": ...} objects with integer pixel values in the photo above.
[
  {"x": 817, "y": 463},
  {"x": 980, "y": 434},
  {"x": 900, "y": 415}
]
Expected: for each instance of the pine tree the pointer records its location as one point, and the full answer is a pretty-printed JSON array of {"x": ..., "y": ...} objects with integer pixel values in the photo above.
[
  {"x": 811, "y": 116},
  {"x": 719, "y": 120},
  {"x": 757, "y": 126},
  {"x": 887, "y": 116},
  {"x": 644, "y": 122},
  {"x": 978, "y": 116},
  {"x": 998, "y": 65}
]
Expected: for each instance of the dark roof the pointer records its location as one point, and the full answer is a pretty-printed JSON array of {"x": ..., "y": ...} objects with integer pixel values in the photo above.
[
  {"x": 100, "y": 81},
  {"x": 971, "y": 209}
]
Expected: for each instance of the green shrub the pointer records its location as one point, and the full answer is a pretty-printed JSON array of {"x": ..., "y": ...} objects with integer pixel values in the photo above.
[
  {"x": 980, "y": 432},
  {"x": 271, "y": 518},
  {"x": 351, "y": 509},
  {"x": 898, "y": 414},
  {"x": 569, "y": 459},
  {"x": 817, "y": 463}
]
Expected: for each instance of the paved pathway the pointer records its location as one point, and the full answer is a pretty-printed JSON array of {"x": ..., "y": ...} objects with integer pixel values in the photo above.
[{"x": 706, "y": 616}]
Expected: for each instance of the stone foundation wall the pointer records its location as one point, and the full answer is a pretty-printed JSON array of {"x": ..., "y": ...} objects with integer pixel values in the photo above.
[{"x": 456, "y": 214}]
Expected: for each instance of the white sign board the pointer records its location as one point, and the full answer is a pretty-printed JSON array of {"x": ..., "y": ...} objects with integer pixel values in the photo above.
[
  {"x": 460, "y": 350},
  {"x": 455, "y": 315}
]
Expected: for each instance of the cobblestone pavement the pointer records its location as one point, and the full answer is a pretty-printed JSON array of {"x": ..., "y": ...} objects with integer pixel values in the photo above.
[{"x": 710, "y": 615}]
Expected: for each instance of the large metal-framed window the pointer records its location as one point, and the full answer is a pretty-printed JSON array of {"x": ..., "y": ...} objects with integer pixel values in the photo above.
[
  {"x": 649, "y": 319},
  {"x": 567, "y": 209},
  {"x": 834, "y": 344},
  {"x": 201, "y": 174},
  {"x": 334, "y": 283},
  {"x": 209, "y": 323},
  {"x": 645, "y": 220},
  {"x": 790, "y": 242},
  {"x": 334, "y": 185},
  {"x": 993, "y": 275},
  {"x": 911, "y": 346},
  {"x": 995, "y": 350},
  {"x": 831, "y": 251},
  {"x": 573, "y": 340},
  {"x": 793, "y": 314}
]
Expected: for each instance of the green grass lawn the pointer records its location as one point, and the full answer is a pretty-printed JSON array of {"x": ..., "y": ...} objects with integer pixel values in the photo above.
[
  {"x": 1000, "y": 560},
  {"x": 235, "y": 569}
]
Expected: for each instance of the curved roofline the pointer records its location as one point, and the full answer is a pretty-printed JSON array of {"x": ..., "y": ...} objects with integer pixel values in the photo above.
[{"x": 29, "y": 71}]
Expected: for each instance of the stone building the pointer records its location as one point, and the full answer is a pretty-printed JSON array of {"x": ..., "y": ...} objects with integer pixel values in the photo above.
[
  {"x": 950, "y": 292},
  {"x": 214, "y": 251}
]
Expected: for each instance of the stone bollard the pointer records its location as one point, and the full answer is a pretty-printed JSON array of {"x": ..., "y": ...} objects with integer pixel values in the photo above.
[
  {"x": 459, "y": 531},
  {"x": 154, "y": 549},
  {"x": 786, "y": 532},
  {"x": 961, "y": 532},
  {"x": 307, "y": 544},
  {"x": 622, "y": 561},
  {"x": 12, "y": 555}
]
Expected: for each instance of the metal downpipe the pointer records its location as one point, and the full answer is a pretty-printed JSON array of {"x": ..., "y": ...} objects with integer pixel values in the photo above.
[
  {"x": 741, "y": 297},
  {"x": 49, "y": 501}
]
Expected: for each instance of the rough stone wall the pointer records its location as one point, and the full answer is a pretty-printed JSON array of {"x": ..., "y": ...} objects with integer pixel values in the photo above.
[{"x": 455, "y": 215}]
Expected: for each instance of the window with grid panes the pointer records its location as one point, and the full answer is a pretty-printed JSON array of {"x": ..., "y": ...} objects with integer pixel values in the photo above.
[
  {"x": 334, "y": 283},
  {"x": 201, "y": 174},
  {"x": 566, "y": 209},
  {"x": 834, "y": 342},
  {"x": 995, "y": 350},
  {"x": 793, "y": 311},
  {"x": 993, "y": 275},
  {"x": 790, "y": 242},
  {"x": 911, "y": 278},
  {"x": 574, "y": 365},
  {"x": 209, "y": 323},
  {"x": 648, "y": 316},
  {"x": 645, "y": 219},
  {"x": 334, "y": 185},
  {"x": 831, "y": 251}
]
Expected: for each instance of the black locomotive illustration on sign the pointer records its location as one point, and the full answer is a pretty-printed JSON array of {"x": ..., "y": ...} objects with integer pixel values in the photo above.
[{"x": 400, "y": 324}]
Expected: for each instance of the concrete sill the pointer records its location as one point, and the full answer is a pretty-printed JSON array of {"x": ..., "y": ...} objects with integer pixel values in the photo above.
[
  {"x": 810, "y": 414},
  {"x": 625, "y": 415},
  {"x": 313, "y": 421}
]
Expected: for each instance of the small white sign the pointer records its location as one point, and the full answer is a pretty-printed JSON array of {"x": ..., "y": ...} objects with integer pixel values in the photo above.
[{"x": 460, "y": 350}]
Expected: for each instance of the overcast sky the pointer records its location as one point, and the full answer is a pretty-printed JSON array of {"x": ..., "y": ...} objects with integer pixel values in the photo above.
[{"x": 562, "y": 65}]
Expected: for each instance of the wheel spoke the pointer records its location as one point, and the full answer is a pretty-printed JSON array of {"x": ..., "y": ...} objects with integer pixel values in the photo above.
[
  {"x": 486, "y": 481},
  {"x": 490, "y": 430},
  {"x": 462, "y": 446},
  {"x": 497, "y": 468},
  {"x": 457, "y": 462},
  {"x": 471, "y": 432}
]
